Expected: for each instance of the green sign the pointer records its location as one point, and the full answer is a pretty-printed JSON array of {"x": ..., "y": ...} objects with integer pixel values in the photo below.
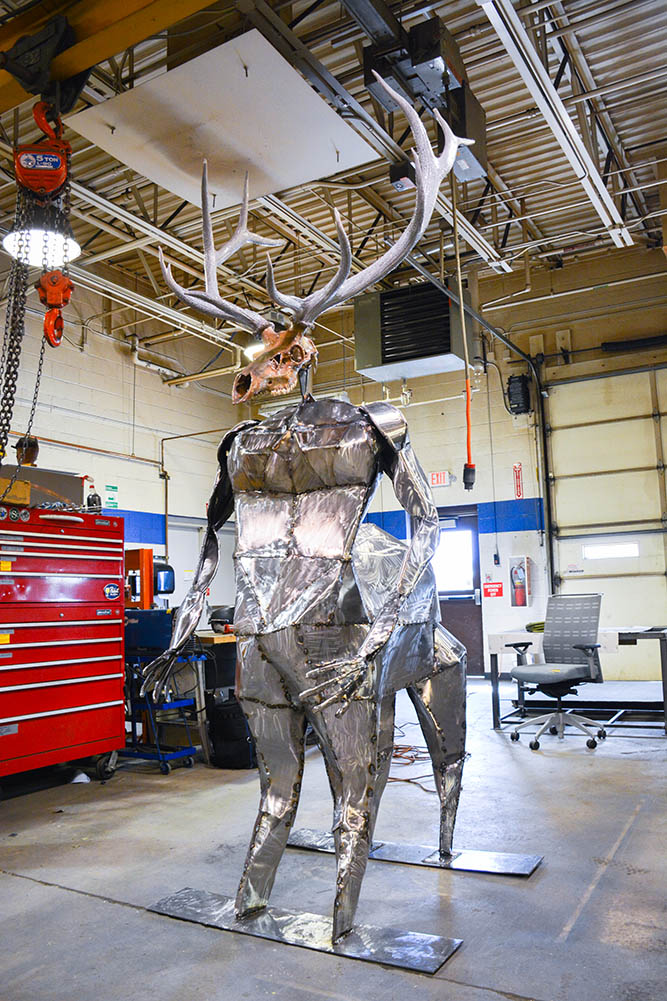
[{"x": 110, "y": 499}]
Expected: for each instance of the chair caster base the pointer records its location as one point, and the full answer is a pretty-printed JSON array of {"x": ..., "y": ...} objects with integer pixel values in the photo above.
[
  {"x": 514, "y": 735},
  {"x": 553, "y": 730},
  {"x": 534, "y": 745},
  {"x": 592, "y": 743},
  {"x": 602, "y": 734}
]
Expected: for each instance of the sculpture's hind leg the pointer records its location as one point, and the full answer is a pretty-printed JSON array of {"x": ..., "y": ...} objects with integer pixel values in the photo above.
[
  {"x": 278, "y": 731},
  {"x": 440, "y": 705}
]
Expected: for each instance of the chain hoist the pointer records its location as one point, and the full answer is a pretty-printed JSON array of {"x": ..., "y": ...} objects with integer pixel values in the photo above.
[{"x": 40, "y": 236}]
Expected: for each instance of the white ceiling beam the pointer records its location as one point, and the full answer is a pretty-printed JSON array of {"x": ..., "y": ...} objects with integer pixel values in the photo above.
[{"x": 521, "y": 50}]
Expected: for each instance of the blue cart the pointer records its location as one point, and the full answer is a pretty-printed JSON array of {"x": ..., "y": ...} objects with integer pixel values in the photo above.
[{"x": 141, "y": 707}]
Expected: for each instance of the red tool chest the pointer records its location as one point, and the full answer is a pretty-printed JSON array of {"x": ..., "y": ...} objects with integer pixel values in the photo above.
[{"x": 62, "y": 662}]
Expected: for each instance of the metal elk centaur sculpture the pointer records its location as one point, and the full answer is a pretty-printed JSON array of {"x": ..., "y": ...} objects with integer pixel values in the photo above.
[{"x": 332, "y": 616}]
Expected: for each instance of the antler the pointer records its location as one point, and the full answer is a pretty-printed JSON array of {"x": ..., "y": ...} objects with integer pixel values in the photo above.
[
  {"x": 210, "y": 301},
  {"x": 306, "y": 310},
  {"x": 429, "y": 173}
]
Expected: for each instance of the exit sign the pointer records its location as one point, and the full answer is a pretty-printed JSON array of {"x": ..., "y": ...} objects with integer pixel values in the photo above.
[{"x": 440, "y": 479}]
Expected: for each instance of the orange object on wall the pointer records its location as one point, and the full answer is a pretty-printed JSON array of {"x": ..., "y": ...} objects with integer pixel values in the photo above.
[{"x": 139, "y": 561}]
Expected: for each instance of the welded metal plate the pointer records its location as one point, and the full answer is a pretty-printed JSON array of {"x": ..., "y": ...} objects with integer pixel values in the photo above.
[
  {"x": 243, "y": 107},
  {"x": 406, "y": 949},
  {"x": 496, "y": 863}
]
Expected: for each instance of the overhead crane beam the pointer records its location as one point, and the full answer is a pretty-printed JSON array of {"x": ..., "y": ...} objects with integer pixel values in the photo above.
[{"x": 102, "y": 30}]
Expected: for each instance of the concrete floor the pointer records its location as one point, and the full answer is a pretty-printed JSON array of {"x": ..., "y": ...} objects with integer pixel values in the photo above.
[{"x": 79, "y": 864}]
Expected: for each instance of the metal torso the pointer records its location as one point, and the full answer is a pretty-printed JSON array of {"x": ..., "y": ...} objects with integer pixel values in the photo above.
[{"x": 302, "y": 481}]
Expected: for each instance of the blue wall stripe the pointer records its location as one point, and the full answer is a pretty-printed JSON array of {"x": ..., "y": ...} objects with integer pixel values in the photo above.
[
  {"x": 503, "y": 516},
  {"x": 141, "y": 526},
  {"x": 393, "y": 522},
  {"x": 510, "y": 516}
]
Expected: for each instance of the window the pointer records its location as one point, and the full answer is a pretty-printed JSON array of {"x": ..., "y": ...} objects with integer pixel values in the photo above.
[
  {"x": 453, "y": 561},
  {"x": 610, "y": 550}
]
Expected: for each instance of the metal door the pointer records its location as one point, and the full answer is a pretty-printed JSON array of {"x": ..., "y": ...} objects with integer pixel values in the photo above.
[
  {"x": 608, "y": 443},
  {"x": 456, "y": 565}
]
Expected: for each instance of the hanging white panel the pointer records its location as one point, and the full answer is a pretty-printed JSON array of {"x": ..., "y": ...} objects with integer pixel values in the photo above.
[{"x": 242, "y": 107}]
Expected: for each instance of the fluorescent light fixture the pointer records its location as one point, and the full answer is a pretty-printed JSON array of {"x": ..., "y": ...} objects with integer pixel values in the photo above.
[
  {"x": 514, "y": 37},
  {"x": 610, "y": 551}
]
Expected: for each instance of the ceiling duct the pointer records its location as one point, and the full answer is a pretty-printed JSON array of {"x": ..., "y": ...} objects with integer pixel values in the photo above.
[{"x": 406, "y": 333}]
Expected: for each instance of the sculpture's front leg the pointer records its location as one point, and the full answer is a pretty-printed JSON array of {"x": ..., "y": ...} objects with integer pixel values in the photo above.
[
  {"x": 278, "y": 730},
  {"x": 353, "y": 745},
  {"x": 357, "y": 757}
]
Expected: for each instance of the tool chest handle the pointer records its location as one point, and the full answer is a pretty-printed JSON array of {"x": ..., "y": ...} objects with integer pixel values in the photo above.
[{"x": 61, "y": 517}]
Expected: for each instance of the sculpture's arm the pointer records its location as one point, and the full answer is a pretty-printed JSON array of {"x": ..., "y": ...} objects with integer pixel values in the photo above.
[
  {"x": 220, "y": 506},
  {"x": 414, "y": 495}
]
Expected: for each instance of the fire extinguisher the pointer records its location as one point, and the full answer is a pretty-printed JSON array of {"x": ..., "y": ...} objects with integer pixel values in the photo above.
[{"x": 518, "y": 582}]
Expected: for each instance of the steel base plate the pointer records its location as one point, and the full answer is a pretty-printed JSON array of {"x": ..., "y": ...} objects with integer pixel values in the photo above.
[
  {"x": 496, "y": 863},
  {"x": 406, "y": 949}
]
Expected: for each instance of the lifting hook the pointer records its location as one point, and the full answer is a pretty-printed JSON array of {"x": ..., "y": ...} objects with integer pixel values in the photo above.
[{"x": 54, "y": 290}]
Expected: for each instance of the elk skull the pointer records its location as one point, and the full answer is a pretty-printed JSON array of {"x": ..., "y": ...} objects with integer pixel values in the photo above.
[{"x": 275, "y": 370}]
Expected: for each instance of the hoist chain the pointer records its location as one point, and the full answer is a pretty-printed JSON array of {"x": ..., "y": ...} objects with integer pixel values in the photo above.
[
  {"x": 33, "y": 408},
  {"x": 14, "y": 330},
  {"x": 17, "y": 288},
  {"x": 66, "y": 206},
  {"x": 10, "y": 357}
]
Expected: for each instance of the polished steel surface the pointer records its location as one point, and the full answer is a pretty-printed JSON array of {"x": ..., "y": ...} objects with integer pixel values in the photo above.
[
  {"x": 310, "y": 649},
  {"x": 332, "y": 618},
  {"x": 405, "y": 949},
  {"x": 465, "y": 860}
]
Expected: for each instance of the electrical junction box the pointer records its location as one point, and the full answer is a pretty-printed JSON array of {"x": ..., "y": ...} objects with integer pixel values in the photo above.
[
  {"x": 434, "y": 53},
  {"x": 467, "y": 118},
  {"x": 518, "y": 394},
  {"x": 402, "y": 175},
  {"x": 406, "y": 333}
]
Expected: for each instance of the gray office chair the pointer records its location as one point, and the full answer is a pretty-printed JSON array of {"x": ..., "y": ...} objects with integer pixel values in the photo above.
[{"x": 571, "y": 658}]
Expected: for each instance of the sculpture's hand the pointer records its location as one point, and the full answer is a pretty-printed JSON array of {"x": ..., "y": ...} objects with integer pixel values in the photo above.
[
  {"x": 343, "y": 679},
  {"x": 382, "y": 627},
  {"x": 346, "y": 678},
  {"x": 157, "y": 676}
]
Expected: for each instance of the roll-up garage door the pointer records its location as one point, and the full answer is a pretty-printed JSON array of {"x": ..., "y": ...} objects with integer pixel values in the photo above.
[{"x": 608, "y": 441}]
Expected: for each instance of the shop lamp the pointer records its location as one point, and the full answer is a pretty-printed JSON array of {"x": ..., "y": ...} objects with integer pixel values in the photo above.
[{"x": 43, "y": 237}]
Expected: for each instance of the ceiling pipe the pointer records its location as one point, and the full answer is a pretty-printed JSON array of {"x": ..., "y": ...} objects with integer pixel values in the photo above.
[
  {"x": 210, "y": 373},
  {"x": 497, "y": 304}
]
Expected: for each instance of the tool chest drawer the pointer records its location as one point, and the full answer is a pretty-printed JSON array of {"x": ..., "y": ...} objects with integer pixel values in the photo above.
[
  {"x": 51, "y": 556},
  {"x": 61, "y": 637}
]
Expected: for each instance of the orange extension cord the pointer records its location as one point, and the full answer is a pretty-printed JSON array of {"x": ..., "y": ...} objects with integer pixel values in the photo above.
[{"x": 469, "y": 467}]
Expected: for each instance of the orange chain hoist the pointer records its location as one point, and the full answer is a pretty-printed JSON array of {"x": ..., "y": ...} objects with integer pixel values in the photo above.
[{"x": 42, "y": 169}]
